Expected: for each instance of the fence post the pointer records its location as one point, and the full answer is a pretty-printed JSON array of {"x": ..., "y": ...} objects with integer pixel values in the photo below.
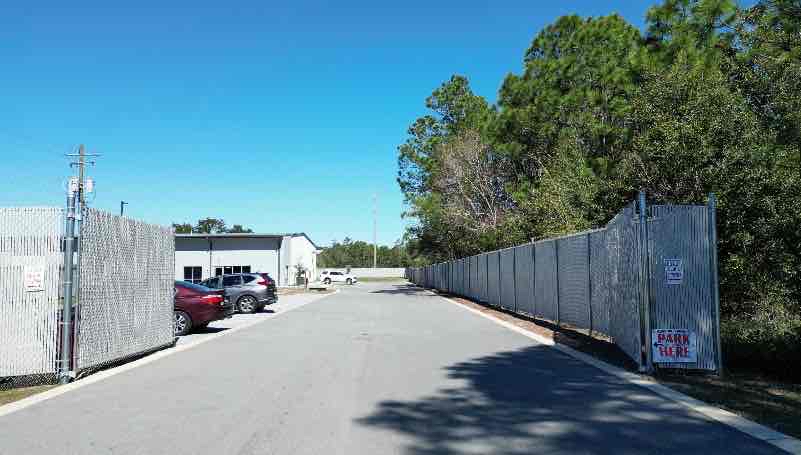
[
  {"x": 486, "y": 277},
  {"x": 500, "y": 303},
  {"x": 645, "y": 283},
  {"x": 556, "y": 265},
  {"x": 589, "y": 280},
  {"x": 533, "y": 279},
  {"x": 514, "y": 277},
  {"x": 713, "y": 259}
]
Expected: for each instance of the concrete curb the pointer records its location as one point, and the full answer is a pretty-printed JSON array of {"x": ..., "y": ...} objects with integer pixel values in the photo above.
[
  {"x": 753, "y": 429},
  {"x": 105, "y": 374}
]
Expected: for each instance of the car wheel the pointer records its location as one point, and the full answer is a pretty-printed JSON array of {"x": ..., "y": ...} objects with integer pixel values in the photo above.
[
  {"x": 349, "y": 281},
  {"x": 247, "y": 304},
  {"x": 327, "y": 281},
  {"x": 183, "y": 323}
]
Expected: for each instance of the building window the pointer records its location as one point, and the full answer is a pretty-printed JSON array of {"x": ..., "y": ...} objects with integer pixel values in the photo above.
[
  {"x": 193, "y": 274},
  {"x": 229, "y": 269}
]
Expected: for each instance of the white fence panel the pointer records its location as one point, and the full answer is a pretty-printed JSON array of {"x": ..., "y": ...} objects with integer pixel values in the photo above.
[
  {"x": 126, "y": 288},
  {"x": 30, "y": 244}
]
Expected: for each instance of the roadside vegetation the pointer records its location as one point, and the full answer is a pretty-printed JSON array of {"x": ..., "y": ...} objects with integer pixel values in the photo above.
[
  {"x": 706, "y": 99},
  {"x": 350, "y": 253},
  {"x": 210, "y": 226}
]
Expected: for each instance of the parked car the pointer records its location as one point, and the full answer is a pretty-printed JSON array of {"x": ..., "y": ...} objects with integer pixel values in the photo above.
[
  {"x": 248, "y": 291},
  {"x": 272, "y": 289},
  {"x": 337, "y": 277},
  {"x": 196, "y": 306}
]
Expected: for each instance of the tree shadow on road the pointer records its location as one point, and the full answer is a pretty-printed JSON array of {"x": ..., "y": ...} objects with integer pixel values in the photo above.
[
  {"x": 404, "y": 289},
  {"x": 516, "y": 402}
]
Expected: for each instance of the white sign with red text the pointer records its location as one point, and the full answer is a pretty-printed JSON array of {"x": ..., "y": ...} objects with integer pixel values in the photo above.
[
  {"x": 34, "y": 279},
  {"x": 673, "y": 346}
]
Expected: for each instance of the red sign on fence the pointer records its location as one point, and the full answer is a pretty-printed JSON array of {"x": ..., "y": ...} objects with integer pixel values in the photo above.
[{"x": 673, "y": 346}]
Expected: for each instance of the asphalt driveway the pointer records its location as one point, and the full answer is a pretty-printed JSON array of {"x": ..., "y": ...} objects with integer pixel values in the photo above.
[{"x": 376, "y": 369}]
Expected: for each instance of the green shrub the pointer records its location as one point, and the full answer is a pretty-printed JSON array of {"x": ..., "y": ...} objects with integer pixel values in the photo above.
[{"x": 768, "y": 342}]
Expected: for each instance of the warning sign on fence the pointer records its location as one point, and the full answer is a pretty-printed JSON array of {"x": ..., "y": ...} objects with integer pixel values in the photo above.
[
  {"x": 673, "y": 346},
  {"x": 34, "y": 279},
  {"x": 674, "y": 271}
]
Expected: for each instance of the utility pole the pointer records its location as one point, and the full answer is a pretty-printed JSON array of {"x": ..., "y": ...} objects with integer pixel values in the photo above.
[
  {"x": 375, "y": 230},
  {"x": 78, "y": 186}
]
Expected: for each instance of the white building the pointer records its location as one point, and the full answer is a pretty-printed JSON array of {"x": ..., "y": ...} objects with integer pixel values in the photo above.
[{"x": 200, "y": 256}]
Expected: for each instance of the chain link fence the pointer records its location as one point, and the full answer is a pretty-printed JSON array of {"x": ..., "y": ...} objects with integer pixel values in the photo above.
[
  {"x": 123, "y": 302},
  {"x": 125, "y": 296},
  {"x": 647, "y": 271},
  {"x": 31, "y": 262}
]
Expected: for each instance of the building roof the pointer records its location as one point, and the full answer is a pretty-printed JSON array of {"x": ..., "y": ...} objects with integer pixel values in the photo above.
[{"x": 247, "y": 235}]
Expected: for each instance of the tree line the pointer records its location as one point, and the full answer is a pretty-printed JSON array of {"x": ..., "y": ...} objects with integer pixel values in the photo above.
[
  {"x": 350, "y": 253},
  {"x": 210, "y": 226},
  {"x": 706, "y": 99}
]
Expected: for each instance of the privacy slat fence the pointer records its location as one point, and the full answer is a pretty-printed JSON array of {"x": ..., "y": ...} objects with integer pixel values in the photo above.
[
  {"x": 123, "y": 304},
  {"x": 648, "y": 268},
  {"x": 30, "y": 242},
  {"x": 126, "y": 288}
]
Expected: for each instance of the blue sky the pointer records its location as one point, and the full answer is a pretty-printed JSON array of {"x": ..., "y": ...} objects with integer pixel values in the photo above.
[{"x": 282, "y": 116}]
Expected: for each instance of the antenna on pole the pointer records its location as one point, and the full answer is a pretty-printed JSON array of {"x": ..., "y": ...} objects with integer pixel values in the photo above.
[
  {"x": 375, "y": 230},
  {"x": 83, "y": 185},
  {"x": 72, "y": 254}
]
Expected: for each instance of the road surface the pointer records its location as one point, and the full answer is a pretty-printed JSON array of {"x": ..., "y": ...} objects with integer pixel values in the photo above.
[{"x": 375, "y": 369}]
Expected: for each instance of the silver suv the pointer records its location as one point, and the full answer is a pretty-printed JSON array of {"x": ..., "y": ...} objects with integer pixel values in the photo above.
[{"x": 248, "y": 291}]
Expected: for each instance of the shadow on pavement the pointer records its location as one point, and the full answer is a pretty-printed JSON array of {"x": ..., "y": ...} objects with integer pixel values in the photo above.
[
  {"x": 208, "y": 329},
  {"x": 404, "y": 289},
  {"x": 537, "y": 400}
]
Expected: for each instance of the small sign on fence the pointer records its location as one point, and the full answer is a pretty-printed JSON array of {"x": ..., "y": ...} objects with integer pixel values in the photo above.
[
  {"x": 673, "y": 346},
  {"x": 34, "y": 279},
  {"x": 674, "y": 271}
]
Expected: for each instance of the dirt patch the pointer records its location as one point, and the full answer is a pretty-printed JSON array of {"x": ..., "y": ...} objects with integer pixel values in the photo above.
[
  {"x": 772, "y": 403},
  {"x": 294, "y": 291},
  {"x": 381, "y": 279},
  {"x": 11, "y": 395}
]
